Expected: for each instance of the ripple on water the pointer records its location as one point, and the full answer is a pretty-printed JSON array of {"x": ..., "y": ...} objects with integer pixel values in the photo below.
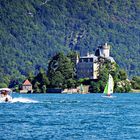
[{"x": 63, "y": 117}]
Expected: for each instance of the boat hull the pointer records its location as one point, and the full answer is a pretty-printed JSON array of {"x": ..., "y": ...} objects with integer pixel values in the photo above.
[{"x": 7, "y": 98}]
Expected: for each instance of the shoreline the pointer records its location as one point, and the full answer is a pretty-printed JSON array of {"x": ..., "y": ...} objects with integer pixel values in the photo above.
[
  {"x": 131, "y": 92},
  {"x": 135, "y": 90}
]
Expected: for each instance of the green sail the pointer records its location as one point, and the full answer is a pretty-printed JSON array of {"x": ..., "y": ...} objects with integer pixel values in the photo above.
[
  {"x": 106, "y": 89},
  {"x": 109, "y": 86}
]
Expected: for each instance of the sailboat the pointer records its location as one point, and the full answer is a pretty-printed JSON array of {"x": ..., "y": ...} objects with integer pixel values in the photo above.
[{"x": 109, "y": 87}]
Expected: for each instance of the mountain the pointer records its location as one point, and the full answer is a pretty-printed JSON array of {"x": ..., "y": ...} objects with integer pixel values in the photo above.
[{"x": 31, "y": 32}]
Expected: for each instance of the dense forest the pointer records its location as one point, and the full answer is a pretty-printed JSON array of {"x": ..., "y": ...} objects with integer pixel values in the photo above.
[{"x": 31, "y": 32}]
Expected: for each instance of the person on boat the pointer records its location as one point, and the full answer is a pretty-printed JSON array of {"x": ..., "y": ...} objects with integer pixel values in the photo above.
[
  {"x": 6, "y": 100},
  {"x": 4, "y": 93}
]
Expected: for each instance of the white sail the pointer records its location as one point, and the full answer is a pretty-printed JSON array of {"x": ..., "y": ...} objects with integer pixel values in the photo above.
[{"x": 109, "y": 86}]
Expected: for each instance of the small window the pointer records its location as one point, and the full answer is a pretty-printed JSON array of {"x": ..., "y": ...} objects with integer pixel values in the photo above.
[
  {"x": 91, "y": 59},
  {"x": 85, "y": 60}
]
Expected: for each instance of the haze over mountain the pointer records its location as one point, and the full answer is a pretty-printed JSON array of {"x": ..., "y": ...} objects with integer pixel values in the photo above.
[{"x": 31, "y": 32}]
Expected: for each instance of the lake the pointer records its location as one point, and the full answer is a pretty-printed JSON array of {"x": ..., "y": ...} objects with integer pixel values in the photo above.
[{"x": 71, "y": 117}]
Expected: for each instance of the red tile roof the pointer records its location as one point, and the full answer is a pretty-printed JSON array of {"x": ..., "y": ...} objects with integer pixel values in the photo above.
[{"x": 26, "y": 82}]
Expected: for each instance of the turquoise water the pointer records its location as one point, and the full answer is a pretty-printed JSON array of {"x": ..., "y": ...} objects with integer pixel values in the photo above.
[{"x": 71, "y": 117}]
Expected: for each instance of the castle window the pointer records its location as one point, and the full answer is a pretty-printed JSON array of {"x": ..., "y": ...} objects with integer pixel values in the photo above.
[
  {"x": 85, "y": 60},
  {"x": 91, "y": 60}
]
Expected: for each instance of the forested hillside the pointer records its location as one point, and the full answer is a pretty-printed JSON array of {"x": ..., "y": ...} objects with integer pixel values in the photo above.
[{"x": 33, "y": 31}]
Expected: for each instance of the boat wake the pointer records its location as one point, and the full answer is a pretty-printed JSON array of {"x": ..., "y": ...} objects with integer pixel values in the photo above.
[
  {"x": 23, "y": 100},
  {"x": 108, "y": 96}
]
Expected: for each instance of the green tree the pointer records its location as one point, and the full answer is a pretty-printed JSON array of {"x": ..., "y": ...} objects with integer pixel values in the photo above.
[
  {"x": 135, "y": 82},
  {"x": 30, "y": 76},
  {"x": 122, "y": 74},
  {"x": 94, "y": 87},
  {"x": 37, "y": 87},
  {"x": 57, "y": 80},
  {"x": 3, "y": 85},
  {"x": 41, "y": 81},
  {"x": 60, "y": 69},
  {"x": 71, "y": 83}
]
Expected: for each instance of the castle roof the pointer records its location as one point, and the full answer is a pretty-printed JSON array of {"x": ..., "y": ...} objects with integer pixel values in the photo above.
[
  {"x": 90, "y": 56},
  {"x": 105, "y": 46}
]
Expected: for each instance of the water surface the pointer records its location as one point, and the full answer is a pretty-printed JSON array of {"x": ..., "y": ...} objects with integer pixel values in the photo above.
[{"x": 71, "y": 117}]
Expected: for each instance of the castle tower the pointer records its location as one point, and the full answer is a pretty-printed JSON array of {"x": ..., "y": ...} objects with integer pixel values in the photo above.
[{"x": 105, "y": 50}]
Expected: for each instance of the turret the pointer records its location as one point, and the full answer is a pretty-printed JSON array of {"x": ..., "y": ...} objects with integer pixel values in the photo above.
[{"x": 105, "y": 50}]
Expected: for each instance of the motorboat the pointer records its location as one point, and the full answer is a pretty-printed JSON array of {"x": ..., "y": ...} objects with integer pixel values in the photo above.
[{"x": 5, "y": 95}]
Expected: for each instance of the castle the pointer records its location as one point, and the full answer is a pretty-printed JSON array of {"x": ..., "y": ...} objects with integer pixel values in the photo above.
[{"x": 88, "y": 66}]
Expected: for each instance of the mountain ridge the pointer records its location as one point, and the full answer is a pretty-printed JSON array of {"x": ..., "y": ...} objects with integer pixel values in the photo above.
[{"x": 33, "y": 31}]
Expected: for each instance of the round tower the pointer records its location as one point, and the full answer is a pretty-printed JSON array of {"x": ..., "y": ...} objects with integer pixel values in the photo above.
[{"x": 105, "y": 50}]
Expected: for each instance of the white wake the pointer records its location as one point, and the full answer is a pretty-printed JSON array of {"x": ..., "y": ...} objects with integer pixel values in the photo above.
[
  {"x": 23, "y": 100},
  {"x": 108, "y": 96}
]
